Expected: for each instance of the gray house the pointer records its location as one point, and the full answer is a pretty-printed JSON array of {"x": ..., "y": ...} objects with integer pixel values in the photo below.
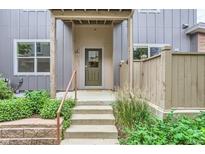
[{"x": 94, "y": 48}]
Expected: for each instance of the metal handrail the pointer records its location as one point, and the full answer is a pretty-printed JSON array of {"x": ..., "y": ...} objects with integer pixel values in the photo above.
[{"x": 74, "y": 74}]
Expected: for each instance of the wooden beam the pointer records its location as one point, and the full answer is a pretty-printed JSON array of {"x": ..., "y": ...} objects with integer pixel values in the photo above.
[
  {"x": 53, "y": 57},
  {"x": 130, "y": 50},
  {"x": 91, "y": 15},
  {"x": 80, "y": 21}
]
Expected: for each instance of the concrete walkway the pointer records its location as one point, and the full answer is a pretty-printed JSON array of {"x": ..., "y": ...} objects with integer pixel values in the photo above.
[{"x": 91, "y": 95}]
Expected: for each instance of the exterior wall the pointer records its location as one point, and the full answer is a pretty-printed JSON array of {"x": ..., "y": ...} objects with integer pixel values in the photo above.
[
  {"x": 20, "y": 24},
  {"x": 154, "y": 28},
  {"x": 201, "y": 42},
  {"x": 165, "y": 27},
  {"x": 94, "y": 37},
  {"x": 194, "y": 43}
]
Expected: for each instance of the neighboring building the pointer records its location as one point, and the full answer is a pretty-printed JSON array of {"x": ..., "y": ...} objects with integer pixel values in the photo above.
[{"x": 96, "y": 47}]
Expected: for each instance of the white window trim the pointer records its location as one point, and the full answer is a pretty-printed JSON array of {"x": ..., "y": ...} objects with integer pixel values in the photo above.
[
  {"x": 15, "y": 58},
  {"x": 144, "y": 45}
]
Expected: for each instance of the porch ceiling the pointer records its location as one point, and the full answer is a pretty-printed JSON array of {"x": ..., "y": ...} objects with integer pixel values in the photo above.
[{"x": 92, "y": 16}]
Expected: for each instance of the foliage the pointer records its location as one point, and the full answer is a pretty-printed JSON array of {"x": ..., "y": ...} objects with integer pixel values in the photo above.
[
  {"x": 14, "y": 109},
  {"x": 5, "y": 91},
  {"x": 128, "y": 111},
  {"x": 182, "y": 130},
  {"x": 139, "y": 53},
  {"x": 139, "y": 126},
  {"x": 24, "y": 49},
  {"x": 38, "y": 98},
  {"x": 50, "y": 108}
]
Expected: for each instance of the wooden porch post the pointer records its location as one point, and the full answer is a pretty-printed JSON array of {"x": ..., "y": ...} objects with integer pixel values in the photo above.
[
  {"x": 130, "y": 51},
  {"x": 53, "y": 57}
]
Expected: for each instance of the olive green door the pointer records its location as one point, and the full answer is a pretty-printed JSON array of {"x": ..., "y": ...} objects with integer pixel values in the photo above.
[{"x": 93, "y": 67}]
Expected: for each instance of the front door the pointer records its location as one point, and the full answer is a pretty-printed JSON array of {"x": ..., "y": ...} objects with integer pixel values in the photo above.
[{"x": 93, "y": 67}]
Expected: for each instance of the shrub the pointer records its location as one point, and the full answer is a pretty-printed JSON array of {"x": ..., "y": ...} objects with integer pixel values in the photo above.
[
  {"x": 50, "y": 108},
  {"x": 38, "y": 98},
  {"x": 181, "y": 130},
  {"x": 15, "y": 109},
  {"x": 5, "y": 91},
  {"x": 128, "y": 110}
]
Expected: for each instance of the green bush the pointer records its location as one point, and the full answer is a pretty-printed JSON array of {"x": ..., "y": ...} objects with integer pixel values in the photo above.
[
  {"x": 5, "y": 91},
  {"x": 38, "y": 98},
  {"x": 181, "y": 130},
  {"x": 15, "y": 109},
  {"x": 50, "y": 108},
  {"x": 137, "y": 125}
]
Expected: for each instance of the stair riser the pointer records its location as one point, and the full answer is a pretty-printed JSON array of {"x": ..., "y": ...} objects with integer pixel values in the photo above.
[
  {"x": 95, "y": 103},
  {"x": 93, "y": 122},
  {"x": 31, "y": 141},
  {"x": 28, "y": 133},
  {"x": 99, "y": 135},
  {"x": 93, "y": 111}
]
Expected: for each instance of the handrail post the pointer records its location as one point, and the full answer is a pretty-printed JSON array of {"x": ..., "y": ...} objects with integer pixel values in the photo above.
[{"x": 76, "y": 85}]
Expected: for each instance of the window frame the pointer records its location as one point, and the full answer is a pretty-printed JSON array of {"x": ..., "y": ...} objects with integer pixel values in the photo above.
[
  {"x": 147, "y": 45},
  {"x": 15, "y": 57}
]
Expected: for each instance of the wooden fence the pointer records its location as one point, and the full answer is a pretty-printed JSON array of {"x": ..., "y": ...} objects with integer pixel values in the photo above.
[{"x": 170, "y": 80}]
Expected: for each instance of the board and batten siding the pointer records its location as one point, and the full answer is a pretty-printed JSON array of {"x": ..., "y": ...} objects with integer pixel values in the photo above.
[
  {"x": 164, "y": 27},
  {"x": 24, "y": 24}
]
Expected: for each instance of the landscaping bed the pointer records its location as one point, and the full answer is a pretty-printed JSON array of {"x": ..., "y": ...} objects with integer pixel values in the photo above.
[
  {"x": 33, "y": 104},
  {"x": 138, "y": 126}
]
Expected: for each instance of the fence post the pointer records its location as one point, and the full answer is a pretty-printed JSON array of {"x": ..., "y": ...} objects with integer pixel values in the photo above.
[{"x": 166, "y": 75}]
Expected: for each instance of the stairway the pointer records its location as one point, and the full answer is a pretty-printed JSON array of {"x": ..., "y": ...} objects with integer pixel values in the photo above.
[{"x": 92, "y": 123}]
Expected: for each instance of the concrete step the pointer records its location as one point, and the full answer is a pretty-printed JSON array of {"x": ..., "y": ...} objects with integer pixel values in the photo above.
[
  {"x": 92, "y": 119},
  {"x": 85, "y": 109},
  {"x": 92, "y": 131},
  {"x": 27, "y": 132},
  {"x": 28, "y": 141},
  {"x": 90, "y": 141},
  {"x": 95, "y": 103}
]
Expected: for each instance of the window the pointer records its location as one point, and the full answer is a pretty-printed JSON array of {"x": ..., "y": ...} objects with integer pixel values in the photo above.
[
  {"x": 32, "y": 57},
  {"x": 146, "y": 50}
]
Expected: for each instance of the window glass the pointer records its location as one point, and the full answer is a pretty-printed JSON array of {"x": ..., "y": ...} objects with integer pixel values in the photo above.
[
  {"x": 43, "y": 64},
  {"x": 154, "y": 51},
  {"x": 140, "y": 52},
  {"x": 43, "y": 48},
  {"x": 33, "y": 57},
  {"x": 26, "y": 49},
  {"x": 26, "y": 64}
]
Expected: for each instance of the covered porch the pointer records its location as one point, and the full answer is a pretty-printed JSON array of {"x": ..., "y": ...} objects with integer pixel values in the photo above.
[{"x": 83, "y": 21}]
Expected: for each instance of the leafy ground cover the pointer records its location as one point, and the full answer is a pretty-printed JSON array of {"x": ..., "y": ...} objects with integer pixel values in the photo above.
[
  {"x": 35, "y": 103},
  {"x": 137, "y": 125}
]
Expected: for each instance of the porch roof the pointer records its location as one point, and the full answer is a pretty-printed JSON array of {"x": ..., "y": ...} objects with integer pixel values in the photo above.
[{"x": 92, "y": 16}]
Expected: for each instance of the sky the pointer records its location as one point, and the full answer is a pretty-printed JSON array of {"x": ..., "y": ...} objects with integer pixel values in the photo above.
[{"x": 200, "y": 15}]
